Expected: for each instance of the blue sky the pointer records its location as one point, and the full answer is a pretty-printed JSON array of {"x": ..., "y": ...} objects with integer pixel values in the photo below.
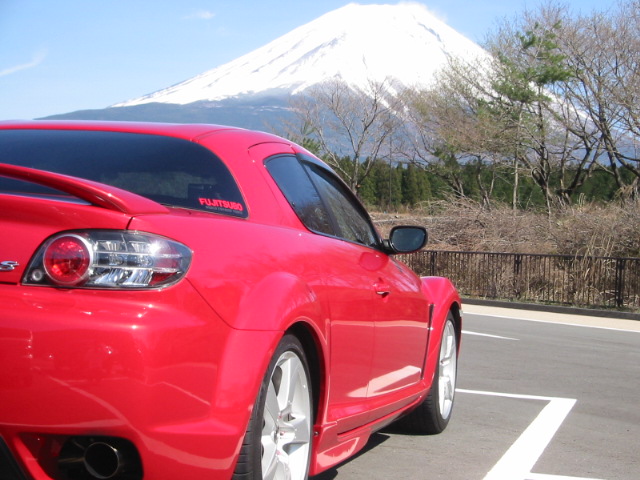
[{"x": 57, "y": 56}]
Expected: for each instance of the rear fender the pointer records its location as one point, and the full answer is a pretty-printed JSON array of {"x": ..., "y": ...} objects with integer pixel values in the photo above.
[
  {"x": 278, "y": 300},
  {"x": 282, "y": 302}
]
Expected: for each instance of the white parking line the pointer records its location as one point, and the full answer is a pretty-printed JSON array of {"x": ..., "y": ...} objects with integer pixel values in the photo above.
[
  {"x": 541, "y": 476},
  {"x": 602, "y": 323},
  {"x": 467, "y": 332},
  {"x": 573, "y": 323},
  {"x": 517, "y": 462}
]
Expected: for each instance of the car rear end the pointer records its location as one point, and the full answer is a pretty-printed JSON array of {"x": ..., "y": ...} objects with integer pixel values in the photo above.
[{"x": 109, "y": 358}]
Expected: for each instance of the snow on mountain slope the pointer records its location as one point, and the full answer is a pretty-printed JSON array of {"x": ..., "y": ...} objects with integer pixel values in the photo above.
[{"x": 357, "y": 43}]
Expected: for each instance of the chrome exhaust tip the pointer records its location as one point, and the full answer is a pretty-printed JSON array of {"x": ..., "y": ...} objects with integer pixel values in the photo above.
[{"x": 101, "y": 458}]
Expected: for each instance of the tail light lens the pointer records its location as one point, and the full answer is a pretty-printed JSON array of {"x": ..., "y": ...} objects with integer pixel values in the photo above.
[
  {"x": 108, "y": 259},
  {"x": 67, "y": 260}
]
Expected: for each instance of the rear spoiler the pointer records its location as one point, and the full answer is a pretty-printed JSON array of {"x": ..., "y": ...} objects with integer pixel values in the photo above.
[{"x": 96, "y": 193}]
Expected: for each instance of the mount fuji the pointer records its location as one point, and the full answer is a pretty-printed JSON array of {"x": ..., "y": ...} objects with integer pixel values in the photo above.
[{"x": 403, "y": 45}]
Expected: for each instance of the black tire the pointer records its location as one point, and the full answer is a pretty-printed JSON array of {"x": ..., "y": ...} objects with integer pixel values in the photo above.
[
  {"x": 433, "y": 414},
  {"x": 279, "y": 434}
]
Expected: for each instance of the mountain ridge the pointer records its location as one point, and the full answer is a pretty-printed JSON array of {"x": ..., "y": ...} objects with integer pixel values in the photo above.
[
  {"x": 356, "y": 43},
  {"x": 402, "y": 45}
]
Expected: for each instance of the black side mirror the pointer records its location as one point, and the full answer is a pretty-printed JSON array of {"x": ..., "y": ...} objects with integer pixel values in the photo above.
[{"x": 406, "y": 239}]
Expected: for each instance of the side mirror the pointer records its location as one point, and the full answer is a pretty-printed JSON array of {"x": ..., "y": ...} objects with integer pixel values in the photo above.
[{"x": 406, "y": 239}]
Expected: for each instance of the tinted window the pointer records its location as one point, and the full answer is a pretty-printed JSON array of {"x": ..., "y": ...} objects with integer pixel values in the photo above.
[
  {"x": 351, "y": 219},
  {"x": 168, "y": 170},
  {"x": 301, "y": 194}
]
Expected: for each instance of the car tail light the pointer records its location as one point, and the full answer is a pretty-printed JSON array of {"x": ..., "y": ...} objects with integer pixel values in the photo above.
[
  {"x": 108, "y": 259},
  {"x": 66, "y": 260}
]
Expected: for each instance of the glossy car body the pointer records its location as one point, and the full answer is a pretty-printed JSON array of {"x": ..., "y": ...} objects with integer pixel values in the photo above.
[{"x": 171, "y": 371}]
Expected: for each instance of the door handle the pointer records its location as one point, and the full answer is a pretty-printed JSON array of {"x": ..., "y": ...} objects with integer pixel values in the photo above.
[{"x": 382, "y": 289}]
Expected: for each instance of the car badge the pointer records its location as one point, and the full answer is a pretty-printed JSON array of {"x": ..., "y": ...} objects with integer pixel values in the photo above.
[{"x": 8, "y": 265}]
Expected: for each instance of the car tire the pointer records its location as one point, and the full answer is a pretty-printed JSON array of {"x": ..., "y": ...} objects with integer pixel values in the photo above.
[
  {"x": 433, "y": 414},
  {"x": 277, "y": 444}
]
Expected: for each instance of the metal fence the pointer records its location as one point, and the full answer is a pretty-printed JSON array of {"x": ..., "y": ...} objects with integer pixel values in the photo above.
[{"x": 550, "y": 279}]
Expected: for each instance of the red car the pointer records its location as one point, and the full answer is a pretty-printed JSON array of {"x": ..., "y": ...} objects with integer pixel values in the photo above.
[{"x": 203, "y": 302}]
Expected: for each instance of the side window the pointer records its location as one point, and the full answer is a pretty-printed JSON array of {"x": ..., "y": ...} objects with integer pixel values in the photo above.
[
  {"x": 352, "y": 221},
  {"x": 302, "y": 195}
]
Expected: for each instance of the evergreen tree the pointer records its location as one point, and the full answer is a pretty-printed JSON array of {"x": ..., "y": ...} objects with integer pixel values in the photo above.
[{"x": 415, "y": 186}]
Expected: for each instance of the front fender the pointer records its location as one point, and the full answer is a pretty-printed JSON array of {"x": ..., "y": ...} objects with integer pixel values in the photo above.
[
  {"x": 443, "y": 298},
  {"x": 442, "y": 294}
]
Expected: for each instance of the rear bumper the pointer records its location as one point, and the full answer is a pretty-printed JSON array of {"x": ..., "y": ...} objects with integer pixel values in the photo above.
[{"x": 157, "y": 368}]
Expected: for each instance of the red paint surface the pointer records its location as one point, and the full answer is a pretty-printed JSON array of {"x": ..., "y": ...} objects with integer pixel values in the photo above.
[{"x": 176, "y": 371}]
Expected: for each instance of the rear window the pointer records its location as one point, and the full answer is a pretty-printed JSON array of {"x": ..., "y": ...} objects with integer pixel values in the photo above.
[{"x": 169, "y": 170}]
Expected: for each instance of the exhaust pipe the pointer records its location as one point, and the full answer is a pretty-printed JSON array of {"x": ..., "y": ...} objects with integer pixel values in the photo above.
[{"x": 101, "y": 458}]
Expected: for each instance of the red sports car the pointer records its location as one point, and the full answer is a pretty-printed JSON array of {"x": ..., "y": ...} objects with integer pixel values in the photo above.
[{"x": 203, "y": 302}]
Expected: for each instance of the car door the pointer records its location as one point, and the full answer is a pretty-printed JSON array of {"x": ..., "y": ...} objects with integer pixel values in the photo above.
[
  {"x": 347, "y": 293},
  {"x": 401, "y": 333},
  {"x": 398, "y": 308}
]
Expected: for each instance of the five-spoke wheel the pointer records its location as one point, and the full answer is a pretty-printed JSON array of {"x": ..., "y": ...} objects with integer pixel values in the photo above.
[{"x": 277, "y": 444}]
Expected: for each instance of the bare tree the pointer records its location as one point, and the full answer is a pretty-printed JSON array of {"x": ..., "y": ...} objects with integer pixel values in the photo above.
[
  {"x": 514, "y": 108},
  {"x": 351, "y": 127},
  {"x": 447, "y": 127},
  {"x": 533, "y": 76},
  {"x": 603, "y": 50}
]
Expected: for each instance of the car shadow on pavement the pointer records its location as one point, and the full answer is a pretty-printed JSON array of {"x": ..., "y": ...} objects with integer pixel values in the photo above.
[{"x": 375, "y": 440}]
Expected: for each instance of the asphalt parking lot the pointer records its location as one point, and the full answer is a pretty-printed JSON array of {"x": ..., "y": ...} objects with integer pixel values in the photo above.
[{"x": 540, "y": 396}]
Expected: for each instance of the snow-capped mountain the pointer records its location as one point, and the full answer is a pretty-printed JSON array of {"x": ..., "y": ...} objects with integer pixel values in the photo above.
[{"x": 403, "y": 43}]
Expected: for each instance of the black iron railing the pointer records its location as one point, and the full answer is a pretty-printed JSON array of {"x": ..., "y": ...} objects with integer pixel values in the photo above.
[{"x": 551, "y": 279}]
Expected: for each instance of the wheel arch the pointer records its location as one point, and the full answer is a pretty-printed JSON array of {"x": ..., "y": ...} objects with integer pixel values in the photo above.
[
  {"x": 456, "y": 310},
  {"x": 286, "y": 303},
  {"x": 442, "y": 294},
  {"x": 443, "y": 298},
  {"x": 316, "y": 360}
]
